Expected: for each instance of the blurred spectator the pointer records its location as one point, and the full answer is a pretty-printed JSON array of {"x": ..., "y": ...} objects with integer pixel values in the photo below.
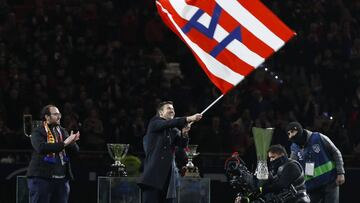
[
  {"x": 213, "y": 136},
  {"x": 93, "y": 131},
  {"x": 5, "y": 135},
  {"x": 239, "y": 137}
]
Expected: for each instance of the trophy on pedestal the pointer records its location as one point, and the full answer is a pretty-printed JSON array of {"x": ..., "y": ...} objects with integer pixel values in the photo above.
[
  {"x": 262, "y": 139},
  {"x": 190, "y": 169},
  {"x": 29, "y": 124},
  {"x": 117, "y": 152}
]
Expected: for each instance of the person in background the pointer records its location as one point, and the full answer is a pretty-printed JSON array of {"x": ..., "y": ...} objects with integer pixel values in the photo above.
[
  {"x": 322, "y": 161},
  {"x": 284, "y": 175},
  {"x": 49, "y": 170}
]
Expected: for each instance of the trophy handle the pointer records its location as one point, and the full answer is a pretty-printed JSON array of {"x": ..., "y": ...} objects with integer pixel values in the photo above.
[
  {"x": 125, "y": 152},
  {"x": 110, "y": 151},
  {"x": 27, "y": 124}
]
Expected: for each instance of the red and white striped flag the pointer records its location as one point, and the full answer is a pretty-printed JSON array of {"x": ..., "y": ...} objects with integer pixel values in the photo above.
[{"x": 229, "y": 38}]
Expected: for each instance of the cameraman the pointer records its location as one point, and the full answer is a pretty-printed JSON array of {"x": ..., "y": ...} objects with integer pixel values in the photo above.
[
  {"x": 286, "y": 182},
  {"x": 284, "y": 173}
]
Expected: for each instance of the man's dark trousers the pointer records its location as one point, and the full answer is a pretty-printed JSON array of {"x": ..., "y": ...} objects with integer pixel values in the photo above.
[{"x": 44, "y": 190}]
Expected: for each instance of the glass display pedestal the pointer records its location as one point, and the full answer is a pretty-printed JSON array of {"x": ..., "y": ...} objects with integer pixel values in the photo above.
[
  {"x": 125, "y": 189},
  {"x": 22, "y": 191}
]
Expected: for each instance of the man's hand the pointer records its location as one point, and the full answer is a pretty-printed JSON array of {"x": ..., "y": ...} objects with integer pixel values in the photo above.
[
  {"x": 194, "y": 118},
  {"x": 72, "y": 138},
  {"x": 185, "y": 130},
  {"x": 340, "y": 179}
]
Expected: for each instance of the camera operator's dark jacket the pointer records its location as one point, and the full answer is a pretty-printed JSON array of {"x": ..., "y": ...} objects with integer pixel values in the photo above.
[
  {"x": 285, "y": 173},
  {"x": 38, "y": 167},
  {"x": 159, "y": 145}
]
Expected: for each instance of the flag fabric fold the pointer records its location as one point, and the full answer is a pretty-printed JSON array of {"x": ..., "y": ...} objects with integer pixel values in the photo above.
[{"x": 229, "y": 38}]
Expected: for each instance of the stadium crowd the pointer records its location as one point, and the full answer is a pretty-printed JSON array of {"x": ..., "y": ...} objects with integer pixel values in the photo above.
[{"x": 107, "y": 63}]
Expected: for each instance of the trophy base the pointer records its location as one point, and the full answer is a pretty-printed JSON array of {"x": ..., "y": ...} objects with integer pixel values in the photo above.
[
  {"x": 117, "y": 172},
  {"x": 191, "y": 172}
]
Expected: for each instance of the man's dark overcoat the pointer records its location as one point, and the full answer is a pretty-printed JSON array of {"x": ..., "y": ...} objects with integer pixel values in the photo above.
[{"x": 161, "y": 138}]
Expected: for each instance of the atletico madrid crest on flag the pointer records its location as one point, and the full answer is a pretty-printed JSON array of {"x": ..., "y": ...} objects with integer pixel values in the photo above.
[{"x": 229, "y": 38}]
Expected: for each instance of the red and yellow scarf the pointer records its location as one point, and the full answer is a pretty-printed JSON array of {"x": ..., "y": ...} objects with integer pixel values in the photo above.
[{"x": 51, "y": 139}]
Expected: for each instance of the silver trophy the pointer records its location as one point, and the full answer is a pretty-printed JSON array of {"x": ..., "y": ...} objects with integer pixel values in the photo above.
[
  {"x": 117, "y": 152},
  {"x": 29, "y": 124},
  {"x": 262, "y": 139},
  {"x": 190, "y": 169}
]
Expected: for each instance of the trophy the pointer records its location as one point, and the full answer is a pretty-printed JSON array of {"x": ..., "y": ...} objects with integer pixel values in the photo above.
[
  {"x": 262, "y": 139},
  {"x": 190, "y": 169},
  {"x": 117, "y": 152},
  {"x": 29, "y": 124}
]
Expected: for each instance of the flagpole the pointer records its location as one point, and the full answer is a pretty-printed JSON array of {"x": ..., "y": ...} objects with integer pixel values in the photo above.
[{"x": 207, "y": 108}]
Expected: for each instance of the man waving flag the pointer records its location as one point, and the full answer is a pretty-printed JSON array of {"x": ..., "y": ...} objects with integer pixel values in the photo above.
[{"x": 229, "y": 38}]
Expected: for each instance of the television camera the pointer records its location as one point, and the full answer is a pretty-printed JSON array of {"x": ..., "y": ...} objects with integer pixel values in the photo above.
[{"x": 247, "y": 185}]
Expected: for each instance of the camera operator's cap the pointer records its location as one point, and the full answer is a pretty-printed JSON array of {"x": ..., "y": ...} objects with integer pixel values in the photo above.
[{"x": 294, "y": 126}]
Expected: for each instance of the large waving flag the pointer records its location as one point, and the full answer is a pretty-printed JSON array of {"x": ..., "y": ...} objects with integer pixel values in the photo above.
[{"x": 229, "y": 38}]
